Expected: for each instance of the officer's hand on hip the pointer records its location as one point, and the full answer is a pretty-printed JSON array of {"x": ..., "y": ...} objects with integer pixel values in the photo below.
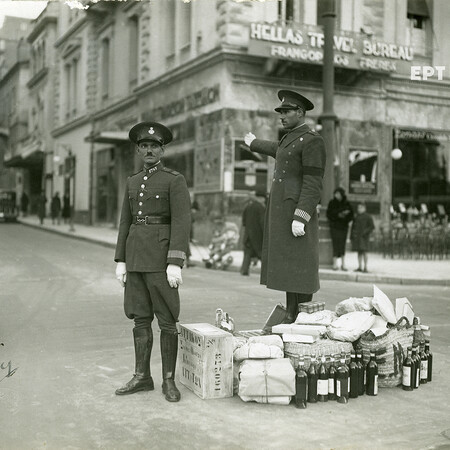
[
  {"x": 298, "y": 228},
  {"x": 249, "y": 138},
  {"x": 174, "y": 275},
  {"x": 121, "y": 273}
]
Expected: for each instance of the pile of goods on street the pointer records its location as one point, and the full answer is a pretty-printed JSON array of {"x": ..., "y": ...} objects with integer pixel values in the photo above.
[{"x": 364, "y": 344}]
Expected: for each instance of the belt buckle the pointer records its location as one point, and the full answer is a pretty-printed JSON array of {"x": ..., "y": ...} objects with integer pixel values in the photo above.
[{"x": 141, "y": 220}]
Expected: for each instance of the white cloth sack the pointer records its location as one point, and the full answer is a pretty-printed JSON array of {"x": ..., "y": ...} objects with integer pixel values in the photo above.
[
  {"x": 324, "y": 317},
  {"x": 279, "y": 400},
  {"x": 353, "y": 304},
  {"x": 257, "y": 350},
  {"x": 351, "y": 326},
  {"x": 266, "y": 378},
  {"x": 271, "y": 339},
  {"x": 383, "y": 305}
]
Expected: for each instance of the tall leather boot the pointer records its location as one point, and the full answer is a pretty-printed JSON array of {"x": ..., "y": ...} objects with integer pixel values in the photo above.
[
  {"x": 169, "y": 349},
  {"x": 142, "y": 380},
  {"x": 291, "y": 307}
]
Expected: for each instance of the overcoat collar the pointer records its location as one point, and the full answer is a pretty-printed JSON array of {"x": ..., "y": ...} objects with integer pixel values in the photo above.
[{"x": 292, "y": 135}]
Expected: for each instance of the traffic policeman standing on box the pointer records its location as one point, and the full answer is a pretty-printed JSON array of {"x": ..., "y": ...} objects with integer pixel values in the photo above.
[
  {"x": 290, "y": 255},
  {"x": 151, "y": 250}
]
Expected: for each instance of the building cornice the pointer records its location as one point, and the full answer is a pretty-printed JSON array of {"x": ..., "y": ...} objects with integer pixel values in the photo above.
[
  {"x": 70, "y": 126},
  {"x": 40, "y": 26},
  {"x": 213, "y": 57},
  {"x": 38, "y": 77},
  {"x": 121, "y": 104},
  {"x": 71, "y": 31}
]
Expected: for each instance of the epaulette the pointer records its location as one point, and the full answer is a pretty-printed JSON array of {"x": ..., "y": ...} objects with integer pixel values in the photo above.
[
  {"x": 314, "y": 133},
  {"x": 137, "y": 173},
  {"x": 173, "y": 172}
]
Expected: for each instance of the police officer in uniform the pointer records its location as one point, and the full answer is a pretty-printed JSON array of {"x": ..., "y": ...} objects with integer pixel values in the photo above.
[
  {"x": 151, "y": 249},
  {"x": 290, "y": 255}
]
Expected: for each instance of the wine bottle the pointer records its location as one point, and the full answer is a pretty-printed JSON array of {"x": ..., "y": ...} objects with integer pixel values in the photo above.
[
  {"x": 312, "y": 381},
  {"x": 407, "y": 376},
  {"x": 301, "y": 385},
  {"x": 430, "y": 360},
  {"x": 332, "y": 380},
  {"x": 416, "y": 361},
  {"x": 354, "y": 378},
  {"x": 342, "y": 382},
  {"x": 361, "y": 374},
  {"x": 423, "y": 364},
  {"x": 372, "y": 376},
  {"x": 322, "y": 382}
]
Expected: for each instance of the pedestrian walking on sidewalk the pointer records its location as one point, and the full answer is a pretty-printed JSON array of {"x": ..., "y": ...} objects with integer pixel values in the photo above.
[
  {"x": 339, "y": 214},
  {"x": 66, "y": 208},
  {"x": 24, "y": 201},
  {"x": 362, "y": 228},
  {"x": 151, "y": 249},
  {"x": 290, "y": 255},
  {"x": 42, "y": 201},
  {"x": 253, "y": 230},
  {"x": 56, "y": 209}
]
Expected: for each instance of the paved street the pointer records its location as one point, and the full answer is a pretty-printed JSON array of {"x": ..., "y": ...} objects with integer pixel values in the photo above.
[{"x": 63, "y": 328}]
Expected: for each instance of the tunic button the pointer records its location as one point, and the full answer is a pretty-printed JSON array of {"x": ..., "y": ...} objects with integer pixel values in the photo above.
[
  {"x": 145, "y": 178},
  {"x": 142, "y": 186},
  {"x": 287, "y": 162},
  {"x": 289, "y": 153},
  {"x": 157, "y": 196},
  {"x": 139, "y": 212},
  {"x": 294, "y": 145},
  {"x": 301, "y": 139},
  {"x": 141, "y": 194},
  {"x": 284, "y": 171},
  {"x": 279, "y": 180},
  {"x": 140, "y": 203}
]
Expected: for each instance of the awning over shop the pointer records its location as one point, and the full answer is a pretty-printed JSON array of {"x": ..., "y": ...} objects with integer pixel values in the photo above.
[
  {"x": 30, "y": 157},
  {"x": 108, "y": 137},
  {"x": 418, "y": 8}
]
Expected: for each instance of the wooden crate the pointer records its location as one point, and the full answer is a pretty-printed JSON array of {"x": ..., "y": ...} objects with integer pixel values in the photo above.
[{"x": 206, "y": 360}]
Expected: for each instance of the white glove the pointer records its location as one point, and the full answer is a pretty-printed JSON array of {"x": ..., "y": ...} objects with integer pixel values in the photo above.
[
  {"x": 298, "y": 228},
  {"x": 121, "y": 273},
  {"x": 249, "y": 138},
  {"x": 174, "y": 275}
]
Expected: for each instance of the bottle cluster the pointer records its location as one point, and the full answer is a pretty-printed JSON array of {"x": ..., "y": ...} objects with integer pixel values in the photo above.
[
  {"x": 332, "y": 378},
  {"x": 418, "y": 366}
]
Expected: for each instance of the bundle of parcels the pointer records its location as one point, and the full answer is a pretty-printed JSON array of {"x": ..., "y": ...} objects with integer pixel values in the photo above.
[{"x": 263, "y": 374}]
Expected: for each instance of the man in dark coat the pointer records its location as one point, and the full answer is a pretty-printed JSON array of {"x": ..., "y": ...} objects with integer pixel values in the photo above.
[
  {"x": 151, "y": 250},
  {"x": 290, "y": 256},
  {"x": 253, "y": 227}
]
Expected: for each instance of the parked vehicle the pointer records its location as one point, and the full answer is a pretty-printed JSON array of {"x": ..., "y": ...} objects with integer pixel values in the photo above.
[{"x": 8, "y": 207}]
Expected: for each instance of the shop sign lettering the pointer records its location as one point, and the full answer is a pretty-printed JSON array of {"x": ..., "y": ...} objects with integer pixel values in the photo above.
[{"x": 352, "y": 50}]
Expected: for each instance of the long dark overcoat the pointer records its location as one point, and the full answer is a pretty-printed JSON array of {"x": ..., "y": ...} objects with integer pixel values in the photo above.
[{"x": 291, "y": 263}]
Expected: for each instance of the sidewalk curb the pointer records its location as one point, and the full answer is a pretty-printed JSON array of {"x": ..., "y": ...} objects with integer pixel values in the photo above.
[{"x": 324, "y": 274}]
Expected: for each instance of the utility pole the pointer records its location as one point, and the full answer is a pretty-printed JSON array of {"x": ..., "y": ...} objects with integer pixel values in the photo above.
[{"x": 328, "y": 117}]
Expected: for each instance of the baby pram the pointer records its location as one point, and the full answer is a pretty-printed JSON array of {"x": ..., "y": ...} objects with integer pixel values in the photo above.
[{"x": 223, "y": 242}]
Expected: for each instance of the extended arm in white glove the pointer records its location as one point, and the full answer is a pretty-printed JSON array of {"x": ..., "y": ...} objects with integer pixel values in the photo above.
[
  {"x": 249, "y": 138},
  {"x": 298, "y": 228},
  {"x": 121, "y": 273},
  {"x": 174, "y": 275}
]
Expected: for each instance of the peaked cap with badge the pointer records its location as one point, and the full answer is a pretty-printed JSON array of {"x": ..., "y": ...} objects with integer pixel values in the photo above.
[
  {"x": 293, "y": 100},
  {"x": 150, "y": 131}
]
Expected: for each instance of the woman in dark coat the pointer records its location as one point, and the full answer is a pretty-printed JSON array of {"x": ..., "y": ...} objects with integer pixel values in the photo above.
[
  {"x": 362, "y": 228},
  {"x": 340, "y": 214}
]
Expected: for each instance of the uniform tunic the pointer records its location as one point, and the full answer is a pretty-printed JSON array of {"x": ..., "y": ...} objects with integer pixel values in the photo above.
[
  {"x": 291, "y": 263},
  {"x": 160, "y": 193}
]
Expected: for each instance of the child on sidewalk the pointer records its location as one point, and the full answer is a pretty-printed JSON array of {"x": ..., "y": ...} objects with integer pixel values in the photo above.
[{"x": 362, "y": 228}]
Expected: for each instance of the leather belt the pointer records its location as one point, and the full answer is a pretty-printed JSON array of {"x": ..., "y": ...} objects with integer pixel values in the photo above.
[{"x": 151, "y": 220}]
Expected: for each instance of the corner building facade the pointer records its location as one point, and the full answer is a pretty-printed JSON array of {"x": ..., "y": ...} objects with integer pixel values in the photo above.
[{"x": 210, "y": 70}]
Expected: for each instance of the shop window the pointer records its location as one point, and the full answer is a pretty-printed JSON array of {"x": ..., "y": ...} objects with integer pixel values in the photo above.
[
  {"x": 250, "y": 169},
  {"x": 183, "y": 163},
  {"x": 286, "y": 10},
  {"x": 422, "y": 174}
]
